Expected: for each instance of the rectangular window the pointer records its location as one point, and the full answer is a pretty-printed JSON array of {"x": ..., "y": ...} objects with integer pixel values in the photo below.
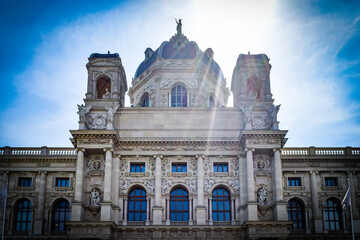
[
  {"x": 179, "y": 167},
  {"x": 62, "y": 182},
  {"x": 137, "y": 167},
  {"x": 25, "y": 182},
  {"x": 331, "y": 181},
  {"x": 294, "y": 182},
  {"x": 221, "y": 167}
]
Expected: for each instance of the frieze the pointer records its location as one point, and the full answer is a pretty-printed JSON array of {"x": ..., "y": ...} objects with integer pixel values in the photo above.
[
  {"x": 167, "y": 83},
  {"x": 263, "y": 141},
  {"x": 179, "y": 146},
  {"x": 91, "y": 141}
]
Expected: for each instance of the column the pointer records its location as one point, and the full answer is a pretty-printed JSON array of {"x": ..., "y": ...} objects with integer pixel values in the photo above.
[
  {"x": 307, "y": 227},
  {"x": 355, "y": 211},
  {"x": 280, "y": 205},
  {"x": 233, "y": 220},
  {"x": 200, "y": 209},
  {"x": 190, "y": 212},
  {"x": 168, "y": 211},
  {"x": 77, "y": 206},
  {"x": 106, "y": 206},
  {"x": 157, "y": 209},
  {"x": 318, "y": 224},
  {"x": 125, "y": 211},
  {"x": 211, "y": 222},
  {"x": 39, "y": 218},
  {"x": 115, "y": 188},
  {"x": 251, "y": 207},
  {"x": 243, "y": 187},
  {"x": 147, "y": 222}
]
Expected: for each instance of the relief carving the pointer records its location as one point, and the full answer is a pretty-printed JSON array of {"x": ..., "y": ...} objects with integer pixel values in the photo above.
[
  {"x": 150, "y": 185},
  {"x": 124, "y": 185},
  {"x": 166, "y": 184},
  {"x": 208, "y": 184},
  {"x": 97, "y": 121}
]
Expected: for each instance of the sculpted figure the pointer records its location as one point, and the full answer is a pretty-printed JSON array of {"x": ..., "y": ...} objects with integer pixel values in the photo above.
[
  {"x": 94, "y": 198},
  {"x": 83, "y": 110},
  {"x": 107, "y": 93},
  {"x": 179, "y": 26},
  {"x": 111, "y": 109},
  {"x": 263, "y": 196}
]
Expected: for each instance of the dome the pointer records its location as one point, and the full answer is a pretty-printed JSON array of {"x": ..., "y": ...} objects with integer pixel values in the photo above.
[{"x": 179, "y": 47}]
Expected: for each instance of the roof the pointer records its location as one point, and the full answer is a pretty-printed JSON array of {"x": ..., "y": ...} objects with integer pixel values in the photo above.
[
  {"x": 179, "y": 47},
  {"x": 104, "y": 55}
]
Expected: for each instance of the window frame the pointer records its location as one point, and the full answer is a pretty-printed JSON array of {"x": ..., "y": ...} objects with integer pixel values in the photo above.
[
  {"x": 179, "y": 96},
  {"x": 141, "y": 165},
  {"x": 67, "y": 179},
  {"x": 132, "y": 210},
  {"x": 330, "y": 179},
  {"x": 294, "y": 179},
  {"x": 295, "y": 211},
  {"x": 23, "y": 211},
  {"x": 332, "y": 214},
  {"x": 218, "y": 202},
  {"x": 62, "y": 218},
  {"x": 182, "y": 166},
  {"x": 25, "y": 179},
  {"x": 217, "y": 166},
  {"x": 179, "y": 205}
]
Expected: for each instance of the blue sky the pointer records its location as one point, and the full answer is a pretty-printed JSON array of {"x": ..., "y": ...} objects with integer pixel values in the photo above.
[{"x": 313, "y": 47}]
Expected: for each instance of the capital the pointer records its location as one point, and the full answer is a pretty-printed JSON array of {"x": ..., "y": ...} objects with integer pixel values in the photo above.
[
  {"x": 249, "y": 149},
  {"x": 158, "y": 155},
  {"x": 276, "y": 149},
  {"x": 43, "y": 172},
  {"x": 108, "y": 149},
  {"x": 200, "y": 156}
]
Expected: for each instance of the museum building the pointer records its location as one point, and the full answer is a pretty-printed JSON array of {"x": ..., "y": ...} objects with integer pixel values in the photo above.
[{"x": 178, "y": 163}]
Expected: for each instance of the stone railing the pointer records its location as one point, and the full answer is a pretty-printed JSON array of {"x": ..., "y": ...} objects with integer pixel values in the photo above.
[
  {"x": 7, "y": 151},
  {"x": 312, "y": 151}
]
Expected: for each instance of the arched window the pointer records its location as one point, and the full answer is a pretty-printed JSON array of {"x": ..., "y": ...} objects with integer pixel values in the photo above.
[
  {"x": 211, "y": 101},
  {"x": 221, "y": 204},
  {"x": 178, "y": 96},
  {"x": 332, "y": 215},
  {"x": 144, "y": 101},
  {"x": 137, "y": 204},
  {"x": 179, "y": 204},
  {"x": 103, "y": 87},
  {"x": 296, "y": 214},
  {"x": 23, "y": 215},
  {"x": 61, "y": 214}
]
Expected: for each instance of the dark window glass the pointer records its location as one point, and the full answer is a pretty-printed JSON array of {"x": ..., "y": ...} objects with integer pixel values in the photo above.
[
  {"x": 332, "y": 215},
  {"x": 294, "y": 181},
  {"x": 137, "y": 167},
  {"x": 221, "y": 204},
  {"x": 211, "y": 101},
  {"x": 179, "y": 205},
  {"x": 144, "y": 102},
  {"x": 25, "y": 182},
  {"x": 221, "y": 167},
  {"x": 296, "y": 214},
  {"x": 62, "y": 182},
  {"x": 331, "y": 181},
  {"x": 23, "y": 215},
  {"x": 61, "y": 214},
  {"x": 179, "y": 167},
  {"x": 178, "y": 96},
  {"x": 137, "y": 205}
]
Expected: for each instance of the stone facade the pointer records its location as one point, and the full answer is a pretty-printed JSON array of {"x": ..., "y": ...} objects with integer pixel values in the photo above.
[{"x": 179, "y": 148}]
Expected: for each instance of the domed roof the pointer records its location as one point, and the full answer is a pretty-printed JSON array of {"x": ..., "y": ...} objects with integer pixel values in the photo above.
[{"x": 179, "y": 47}]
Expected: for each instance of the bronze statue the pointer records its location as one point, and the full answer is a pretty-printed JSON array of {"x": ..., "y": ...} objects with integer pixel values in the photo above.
[{"x": 179, "y": 26}]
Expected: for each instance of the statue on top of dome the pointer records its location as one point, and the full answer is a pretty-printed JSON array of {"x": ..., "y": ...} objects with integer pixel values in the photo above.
[{"x": 179, "y": 26}]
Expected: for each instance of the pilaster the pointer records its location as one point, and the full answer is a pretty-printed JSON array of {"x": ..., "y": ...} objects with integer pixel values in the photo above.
[
  {"x": 200, "y": 209},
  {"x": 39, "y": 219},
  {"x": 157, "y": 209}
]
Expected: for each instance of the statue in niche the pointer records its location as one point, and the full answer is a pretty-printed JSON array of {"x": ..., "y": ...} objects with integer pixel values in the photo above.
[
  {"x": 179, "y": 26},
  {"x": 261, "y": 165},
  {"x": 253, "y": 88},
  {"x": 94, "y": 198},
  {"x": 83, "y": 110},
  {"x": 263, "y": 196},
  {"x": 106, "y": 94}
]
